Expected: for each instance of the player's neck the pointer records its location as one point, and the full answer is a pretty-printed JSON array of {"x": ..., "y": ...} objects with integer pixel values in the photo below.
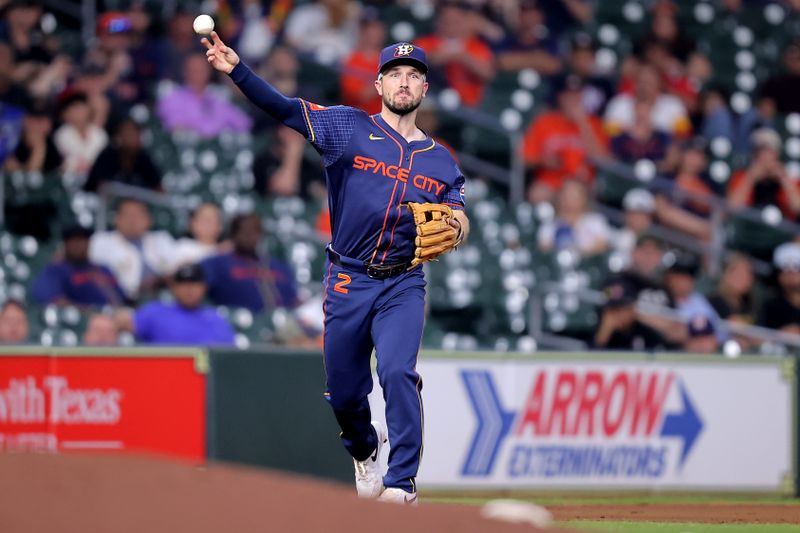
[{"x": 405, "y": 125}]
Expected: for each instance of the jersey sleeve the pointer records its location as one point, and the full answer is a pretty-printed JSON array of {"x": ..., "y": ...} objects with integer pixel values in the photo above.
[
  {"x": 454, "y": 195},
  {"x": 264, "y": 96},
  {"x": 329, "y": 128}
]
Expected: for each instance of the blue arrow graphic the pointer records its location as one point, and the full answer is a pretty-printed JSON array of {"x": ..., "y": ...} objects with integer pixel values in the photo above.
[
  {"x": 494, "y": 423},
  {"x": 686, "y": 425}
]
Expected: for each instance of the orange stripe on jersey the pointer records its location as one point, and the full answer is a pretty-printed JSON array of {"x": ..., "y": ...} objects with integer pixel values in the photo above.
[
  {"x": 325, "y": 296},
  {"x": 391, "y": 237},
  {"x": 324, "y": 317},
  {"x": 391, "y": 198},
  {"x": 410, "y": 163},
  {"x": 400, "y": 203},
  {"x": 308, "y": 121},
  {"x": 385, "y": 219}
]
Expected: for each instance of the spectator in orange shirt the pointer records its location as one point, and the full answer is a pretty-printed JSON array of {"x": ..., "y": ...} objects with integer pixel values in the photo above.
[
  {"x": 766, "y": 181},
  {"x": 558, "y": 143},
  {"x": 455, "y": 49},
  {"x": 358, "y": 70}
]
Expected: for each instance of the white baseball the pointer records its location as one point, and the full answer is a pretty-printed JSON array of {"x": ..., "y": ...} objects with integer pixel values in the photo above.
[{"x": 203, "y": 24}]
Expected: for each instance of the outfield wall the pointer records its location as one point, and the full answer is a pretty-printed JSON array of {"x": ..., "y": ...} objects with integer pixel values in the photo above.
[
  {"x": 605, "y": 421},
  {"x": 269, "y": 410}
]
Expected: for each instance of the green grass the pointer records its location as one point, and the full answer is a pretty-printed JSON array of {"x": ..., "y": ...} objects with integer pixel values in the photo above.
[
  {"x": 551, "y": 498},
  {"x": 611, "y": 498},
  {"x": 677, "y": 527}
]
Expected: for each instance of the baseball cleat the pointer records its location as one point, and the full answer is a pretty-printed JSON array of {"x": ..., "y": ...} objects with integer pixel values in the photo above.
[
  {"x": 369, "y": 481},
  {"x": 393, "y": 495}
]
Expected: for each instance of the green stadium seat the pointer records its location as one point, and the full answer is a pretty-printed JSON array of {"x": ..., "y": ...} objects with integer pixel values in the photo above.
[{"x": 755, "y": 238}]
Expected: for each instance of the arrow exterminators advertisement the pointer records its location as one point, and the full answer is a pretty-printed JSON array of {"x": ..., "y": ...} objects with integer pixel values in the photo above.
[{"x": 699, "y": 424}]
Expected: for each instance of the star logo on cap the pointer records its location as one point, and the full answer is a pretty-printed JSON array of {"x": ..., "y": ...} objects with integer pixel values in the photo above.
[{"x": 403, "y": 50}]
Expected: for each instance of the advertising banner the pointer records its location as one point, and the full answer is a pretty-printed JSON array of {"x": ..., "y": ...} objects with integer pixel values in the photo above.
[
  {"x": 606, "y": 424},
  {"x": 103, "y": 403}
]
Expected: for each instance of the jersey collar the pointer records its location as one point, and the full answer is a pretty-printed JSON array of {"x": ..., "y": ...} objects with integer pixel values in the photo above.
[{"x": 397, "y": 136}]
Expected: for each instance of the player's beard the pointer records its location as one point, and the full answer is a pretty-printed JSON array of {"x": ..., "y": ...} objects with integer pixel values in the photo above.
[{"x": 403, "y": 108}]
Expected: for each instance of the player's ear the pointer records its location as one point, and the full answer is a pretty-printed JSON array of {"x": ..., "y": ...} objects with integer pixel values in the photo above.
[
  {"x": 424, "y": 89},
  {"x": 379, "y": 87}
]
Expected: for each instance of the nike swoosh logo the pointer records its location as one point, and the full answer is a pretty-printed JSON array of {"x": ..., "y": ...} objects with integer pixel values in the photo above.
[
  {"x": 373, "y": 138},
  {"x": 410, "y": 500}
]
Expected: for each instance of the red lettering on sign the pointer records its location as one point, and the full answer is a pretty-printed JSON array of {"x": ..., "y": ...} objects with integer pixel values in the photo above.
[
  {"x": 649, "y": 406},
  {"x": 570, "y": 403},
  {"x": 588, "y": 397},
  {"x": 617, "y": 392},
  {"x": 562, "y": 398},
  {"x": 533, "y": 407}
]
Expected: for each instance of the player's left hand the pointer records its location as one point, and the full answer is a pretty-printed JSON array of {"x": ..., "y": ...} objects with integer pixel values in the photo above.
[{"x": 437, "y": 231}]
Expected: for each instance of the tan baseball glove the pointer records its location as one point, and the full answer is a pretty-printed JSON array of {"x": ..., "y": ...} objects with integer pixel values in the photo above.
[{"x": 435, "y": 235}]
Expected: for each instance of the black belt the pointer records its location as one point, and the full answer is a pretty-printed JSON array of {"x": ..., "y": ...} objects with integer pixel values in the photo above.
[{"x": 373, "y": 271}]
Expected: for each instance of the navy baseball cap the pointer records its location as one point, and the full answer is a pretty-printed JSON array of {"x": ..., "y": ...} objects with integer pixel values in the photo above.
[
  {"x": 75, "y": 230},
  {"x": 403, "y": 54},
  {"x": 189, "y": 273}
]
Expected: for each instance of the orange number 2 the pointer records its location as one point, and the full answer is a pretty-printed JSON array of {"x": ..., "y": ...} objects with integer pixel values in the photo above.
[{"x": 340, "y": 287}]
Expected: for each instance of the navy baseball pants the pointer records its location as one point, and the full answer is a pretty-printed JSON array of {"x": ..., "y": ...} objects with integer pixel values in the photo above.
[{"x": 362, "y": 313}]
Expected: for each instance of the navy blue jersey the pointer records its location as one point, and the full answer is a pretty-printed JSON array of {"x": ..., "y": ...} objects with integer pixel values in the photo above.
[
  {"x": 255, "y": 284},
  {"x": 371, "y": 170},
  {"x": 82, "y": 284}
]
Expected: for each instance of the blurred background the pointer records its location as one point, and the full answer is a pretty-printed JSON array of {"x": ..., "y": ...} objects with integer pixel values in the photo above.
[{"x": 632, "y": 171}]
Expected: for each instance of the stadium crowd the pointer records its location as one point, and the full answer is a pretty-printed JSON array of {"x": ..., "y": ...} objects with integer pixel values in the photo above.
[{"x": 68, "y": 113}]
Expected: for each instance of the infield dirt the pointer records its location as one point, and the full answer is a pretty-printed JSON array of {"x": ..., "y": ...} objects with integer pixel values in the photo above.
[{"x": 113, "y": 494}]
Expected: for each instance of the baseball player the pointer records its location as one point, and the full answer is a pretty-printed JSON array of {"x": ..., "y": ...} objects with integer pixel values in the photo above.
[{"x": 396, "y": 200}]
